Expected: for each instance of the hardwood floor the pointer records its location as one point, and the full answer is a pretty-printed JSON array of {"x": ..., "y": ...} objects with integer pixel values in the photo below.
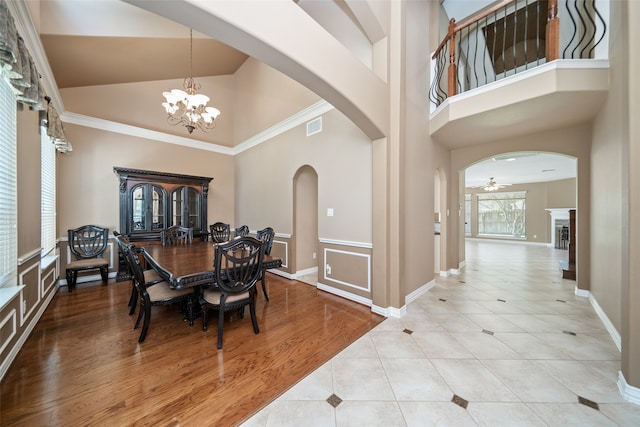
[{"x": 82, "y": 364}]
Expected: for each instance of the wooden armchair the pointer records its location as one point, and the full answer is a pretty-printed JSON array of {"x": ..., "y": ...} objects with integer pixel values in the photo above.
[
  {"x": 241, "y": 231},
  {"x": 153, "y": 293},
  {"x": 220, "y": 232},
  {"x": 176, "y": 235},
  {"x": 87, "y": 244},
  {"x": 237, "y": 266},
  {"x": 266, "y": 236}
]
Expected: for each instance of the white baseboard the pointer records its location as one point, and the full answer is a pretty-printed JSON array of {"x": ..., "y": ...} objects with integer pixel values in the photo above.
[
  {"x": 306, "y": 271},
  {"x": 282, "y": 273},
  {"x": 581, "y": 292},
  {"x": 343, "y": 294},
  {"x": 419, "y": 292},
  {"x": 397, "y": 313},
  {"x": 629, "y": 393},
  {"x": 613, "y": 332}
]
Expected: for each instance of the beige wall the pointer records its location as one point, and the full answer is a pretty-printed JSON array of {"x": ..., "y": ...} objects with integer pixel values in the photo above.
[
  {"x": 630, "y": 330},
  {"x": 540, "y": 196},
  {"x": 608, "y": 226},
  {"x": 264, "y": 97},
  {"x": 421, "y": 156},
  {"x": 29, "y": 202},
  {"x": 341, "y": 156},
  {"x": 88, "y": 189}
]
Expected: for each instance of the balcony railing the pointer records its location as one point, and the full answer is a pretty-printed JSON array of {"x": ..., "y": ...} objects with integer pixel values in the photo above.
[{"x": 514, "y": 36}]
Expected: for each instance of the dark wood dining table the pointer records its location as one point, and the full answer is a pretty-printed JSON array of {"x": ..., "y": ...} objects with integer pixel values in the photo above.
[{"x": 190, "y": 265}]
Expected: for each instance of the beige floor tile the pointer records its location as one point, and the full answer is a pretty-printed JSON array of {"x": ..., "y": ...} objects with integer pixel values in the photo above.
[
  {"x": 416, "y": 380},
  {"x": 584, "y": 379},
  {"x": 485, "y": 346},
  {"x": 531, "y": 347},
  {"x": 295, "y": 413},
  {"x": 364, "y": 414},
  {"x": 398, "y": 345},
  {"x": 491, "y": 414},
  {"x": 472, "y": 381},
  {"x": 625, "y": 414},
  {"x": 433, "y": 414},
  {"x": 529, "y": 382},
  {"x": 361, "y": 379},
  {"x": 570, "y": 415},
  {"x": 441, "y": 346}
]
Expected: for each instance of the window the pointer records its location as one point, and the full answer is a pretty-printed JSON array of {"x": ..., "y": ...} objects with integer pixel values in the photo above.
[
  {"x": 48, "y": 189},
  {"x": 502, "y": 214},
  {"x": 8, "y": 202}
]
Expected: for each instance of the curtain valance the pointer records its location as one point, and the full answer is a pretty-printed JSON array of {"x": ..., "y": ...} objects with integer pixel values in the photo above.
[
  {"x": 55, "y": 130},
  {"x": 16, "y": 63},
  {"x": 18, "y": 67}
]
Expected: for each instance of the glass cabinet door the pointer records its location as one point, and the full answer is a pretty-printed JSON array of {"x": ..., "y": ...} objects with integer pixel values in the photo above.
[
  {"x": 138, "y": 217},
  {"x": 147, "y": 208},
  {"x": 158, "y": 211},
  {"x": 185, "y": 207}
]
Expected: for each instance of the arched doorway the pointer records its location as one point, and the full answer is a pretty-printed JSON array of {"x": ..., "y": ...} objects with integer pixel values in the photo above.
[
  {"x": 305, "y": 224},
  {"x": 519, "y": 196}
]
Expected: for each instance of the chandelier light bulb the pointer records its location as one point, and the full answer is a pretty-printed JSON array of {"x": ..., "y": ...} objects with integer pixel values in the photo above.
[{"x": 188, "y": 107}]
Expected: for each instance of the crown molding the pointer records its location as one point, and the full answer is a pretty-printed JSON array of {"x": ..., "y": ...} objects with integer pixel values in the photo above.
[
  {"x": 289, "y": 123},
  {"x": 110, "y": 126}
]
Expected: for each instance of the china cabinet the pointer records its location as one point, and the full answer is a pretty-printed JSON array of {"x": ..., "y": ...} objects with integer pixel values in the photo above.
[{"x": 152, "y": 201}]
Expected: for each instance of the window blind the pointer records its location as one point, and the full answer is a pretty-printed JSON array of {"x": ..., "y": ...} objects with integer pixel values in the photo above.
[
  {"x": 8, "y": 202},
  {"x": 48, "y": 189}
]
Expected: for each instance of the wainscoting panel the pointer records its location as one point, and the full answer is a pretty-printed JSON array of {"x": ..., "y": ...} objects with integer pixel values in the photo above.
[{"x": 345, "y": 269}]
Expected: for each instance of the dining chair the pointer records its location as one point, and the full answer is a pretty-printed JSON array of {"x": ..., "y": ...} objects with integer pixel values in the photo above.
[
  {"x": 241, "y": 231},
  {"x": 266, "y": 236},
  {"x": 87, "y": 244},
  {"x": 220, "y": 232},
  {"x": 176, "y": 235},
  {"x": 237, "y": 266},
  {"x": 150, "y": 276},
  {"x": 154, "y": 293}
]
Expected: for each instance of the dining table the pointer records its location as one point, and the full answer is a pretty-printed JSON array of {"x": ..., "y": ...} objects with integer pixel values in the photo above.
[{"x": 190, "y": 265}]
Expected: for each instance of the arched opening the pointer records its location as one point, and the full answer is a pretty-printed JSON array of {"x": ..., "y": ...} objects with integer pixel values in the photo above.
[
  {"x": 305, "y": 224},
  {"x": 521, "y": 197}
]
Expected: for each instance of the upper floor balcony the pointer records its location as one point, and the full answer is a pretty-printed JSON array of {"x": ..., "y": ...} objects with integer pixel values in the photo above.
[{"x": 517, "y": 67}]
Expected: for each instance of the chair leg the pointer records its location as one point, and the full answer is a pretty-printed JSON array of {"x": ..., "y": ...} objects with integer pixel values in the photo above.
[
  {"x": 71, "y": 279},
  {"x": 133, "y": 300},
  {"x": 104, "y": 272},
  {"x": 140, "y": 314},
  {"x": 145, "y": 325},
  {"x": 205, "y": 318},
  {"x": 254, "y": 320},
  {"x": 264, "y": 286},
  {"x": 220, "y": 324}
]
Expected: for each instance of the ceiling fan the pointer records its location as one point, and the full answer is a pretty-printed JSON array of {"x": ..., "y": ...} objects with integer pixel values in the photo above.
[{"x": 492, "y": 185}]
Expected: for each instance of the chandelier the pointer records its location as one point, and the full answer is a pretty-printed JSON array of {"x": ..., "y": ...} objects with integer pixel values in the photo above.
[{"x": 188, "y": 107}]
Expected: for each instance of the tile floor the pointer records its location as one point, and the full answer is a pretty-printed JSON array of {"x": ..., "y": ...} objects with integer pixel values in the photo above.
[{"x": 504, "y": 343}]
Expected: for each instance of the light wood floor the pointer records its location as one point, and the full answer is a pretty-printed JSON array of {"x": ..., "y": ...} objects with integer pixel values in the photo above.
[{"x": 82, "y": 364}]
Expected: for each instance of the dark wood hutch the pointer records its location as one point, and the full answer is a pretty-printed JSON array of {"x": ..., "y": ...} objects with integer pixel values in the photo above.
[{"x": 152, "y": 201}]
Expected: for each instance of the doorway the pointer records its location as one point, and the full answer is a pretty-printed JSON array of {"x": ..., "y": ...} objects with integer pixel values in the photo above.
[{"x": 305, "y": 225}]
